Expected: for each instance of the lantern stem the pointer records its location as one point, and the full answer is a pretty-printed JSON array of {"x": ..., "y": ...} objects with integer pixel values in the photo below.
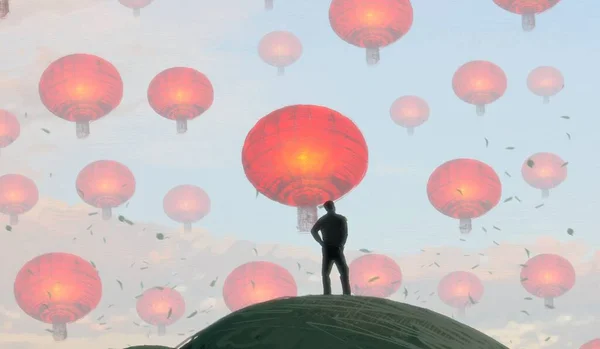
[
  {"x": 106, "y": 213},
  {"x": 162, "y": 330},
  {"x": 187, "y": 227},
  {"x": 373, "y": 56},
  {"x": 14, "y": 219},
  {"x": 549, "y": 302},
  {"x": 136, "y": 12},
  {"x": 461, "y": 313},
  {"x": 545, "y": 193},
  {"x": 181, "y": 125},
  {"x": 410, "y": 131},
  {"x": 268, "y": 5},
  {"x": 546, "y": 99},
  {"x": 480, "y": 109},
  {"x": 307, "y": 217},
  {"x": 528, "y": 21},
  {"x": 82, "y": 129},
  {"x": 280, "y": 71},
  {"x": 465, "y": 225},
  {"x": 59, "y": 332}
]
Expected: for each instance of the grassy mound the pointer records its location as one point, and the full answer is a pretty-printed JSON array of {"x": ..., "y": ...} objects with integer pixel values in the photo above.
[
  {"x": 338, "y": 322},
  {"x": 148, "y": 347}
]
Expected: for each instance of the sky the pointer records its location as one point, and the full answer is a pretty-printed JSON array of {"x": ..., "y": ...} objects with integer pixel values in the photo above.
[{"x": 388, "y": 212}]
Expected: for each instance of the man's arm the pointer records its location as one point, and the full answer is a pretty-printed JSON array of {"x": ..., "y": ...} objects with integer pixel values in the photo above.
[
  {"x": 344, "y": 232},
  {"x": 315, "y": 232}
]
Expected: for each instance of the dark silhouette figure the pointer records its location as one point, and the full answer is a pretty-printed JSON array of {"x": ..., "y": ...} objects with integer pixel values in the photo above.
[{"x": 334, "y": 228}]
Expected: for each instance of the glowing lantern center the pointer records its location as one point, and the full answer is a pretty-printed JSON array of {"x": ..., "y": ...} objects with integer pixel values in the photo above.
[
  {"x": 161, "y": 307},
  {"x": 187, "y": 205},
  {"x": 547, "y": 82},
  {"x": 15, "y": 196},
  {"x": 303, "y": 160},
  {"x": 81, "y": 91},
  {"x": 548, "y": 278},
  {"x": 3, "y": 130},
  {"x": 482, "y": 84},
  {"x": 461, "y": 291},
  {"x": 281, "y": 50},
  {"x": 58, "y": 292},
  {"x": 181, "y": 96},
  {"x": 107, "y": 186},
  {"x": 545, "y": 172},
  {"x": 371, "y": 17}
]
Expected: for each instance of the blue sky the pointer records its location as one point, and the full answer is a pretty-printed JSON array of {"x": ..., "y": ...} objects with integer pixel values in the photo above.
[{"x": 389, "y": 211}]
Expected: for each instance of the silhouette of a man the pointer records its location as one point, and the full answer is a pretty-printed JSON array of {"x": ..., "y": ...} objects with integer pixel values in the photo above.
[{"x": 334, "y": 228}]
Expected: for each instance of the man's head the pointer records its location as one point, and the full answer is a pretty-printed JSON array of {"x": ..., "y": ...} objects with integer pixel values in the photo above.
[{"x": 329, "y": 206}]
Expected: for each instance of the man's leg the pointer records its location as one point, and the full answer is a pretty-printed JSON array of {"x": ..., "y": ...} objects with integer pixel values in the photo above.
[
  {"x": 326, "y": 271},
  {"x": 344, "y": 273}
]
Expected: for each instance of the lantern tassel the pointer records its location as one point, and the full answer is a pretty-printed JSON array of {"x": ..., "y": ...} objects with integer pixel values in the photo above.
[
  {"x": 82, "y": 129},
  {"x": 528, "y": 22},
  {"x": 307, "y": 217},
  {"x": 187, "y": 227},
  {"x": 162, "y": 330},
  {"x": 59, "y": 332}
]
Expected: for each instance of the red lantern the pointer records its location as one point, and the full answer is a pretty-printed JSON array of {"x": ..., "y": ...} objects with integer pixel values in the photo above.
[
  {"x": 409, "y": 112},
  {"x": 527, "y": 9},
  {"x": 10, "y": 129},
  {"x": 544, "y": 171},
  {"x": 304, "y": 155},
  {"x": 81, "y": 88},
  {"x": 160, "y": 307},
  {"x": 371, "y": 24},
  {"x": 548, "y": 276},
  {"x": 186, "y": 204},
  {"x": 58, "y": 289},
  {"x": 375, "y": 275},
  {"x": 593, "y": 344},
  {"x": 545, "y": 82},
  {"x": 280, "y": 49},
  {"x": 136, "y": 5},
  {"x": 18, "y": 194},
  {"x": 460, "y": 290},
  {"x": 105, "y": 184},
  {"x": 180, "y": 94},
  {"x": 268, "y": 5},
  {"x": 479, "y": 83},
  {"x": 464, "y": 189},
  {"x": 257, "y": 282},
  {"x": 4, "y": 8}
]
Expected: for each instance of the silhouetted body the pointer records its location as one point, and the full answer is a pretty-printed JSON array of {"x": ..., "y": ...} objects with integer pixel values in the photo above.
[{"x": 334, "y": 228}]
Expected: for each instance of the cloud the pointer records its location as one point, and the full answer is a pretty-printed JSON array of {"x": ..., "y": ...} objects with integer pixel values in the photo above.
[{"x": 190, "y": 262}]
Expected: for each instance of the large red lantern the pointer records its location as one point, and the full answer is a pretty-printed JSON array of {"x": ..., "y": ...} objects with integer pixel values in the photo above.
[
  {"x": 18, "y": 194},
  {"x": 81, "y": 88},
  {"x": 304, "y": 155},
  {"x": 10, "y": 129},
  {"x": 593, "y": 344},
  {"x": 528, "y": 9},
  {"x": 375, "y": 275},
  {"x": 280, "y": 49},
  {"x": 160, "y": 307},
  {"x": 105, "y": 184},
  {"x": 548, "y": 276},
  {"x": 371, "y": 24},
  {"x": 545, "y": 82},
  {"x": 58, "y": 289},
  {"x": 479, "y": 83},
  {"x": 544, "y": 171},
  {"x": 409, "y": 112},
  {"x": 186, "y": 204},
  {"x": 460, "y": 290},
  {"x": 136, "y": 5},
  {"x": 4, "y": 8},
  {"x": 464, "y": 189},
  {"x": 257, "y": 282},
  {"x": 180, "y": 94}
]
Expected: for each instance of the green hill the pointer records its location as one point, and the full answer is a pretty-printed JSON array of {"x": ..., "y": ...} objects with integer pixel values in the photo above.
[{"x": 338, "y": 322}]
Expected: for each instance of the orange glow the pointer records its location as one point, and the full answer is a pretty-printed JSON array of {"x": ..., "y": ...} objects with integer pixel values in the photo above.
[
  {"x": 18, "y": 194},
  {"x": 303, "y": 159},
  {"x": 479, "y": 82},
  {"x": 464, "y": 188},
  {"x": 547, "y": 170},
  {"x": 156, "y": 303},
  {"x": 548, "y": 275},
  {"x": 409, "y": 111},
  {"x": 105, "y": 184},
  {"x": 186, "y": 204},
  {"x": 58, "y": 287},
  {"x": 459, "y": 289},
  {"x": 375, "y": 275},
  {"x": 257, "y": 282},
  {"x": 10, "y": 129},
  {"x": 280, "y": 48}
]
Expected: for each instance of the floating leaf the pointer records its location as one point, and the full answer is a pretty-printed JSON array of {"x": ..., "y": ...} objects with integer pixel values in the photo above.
[
  {"x": 299, "y": 266},
  {"x": 568, "y": 135},
  {"x": 528, "y": 253},
  {"x": 459, "y": 191},
  {"x": 528, "y": 298},
  {"x": 160, "y": 236},
  {"x": 496, "y": 243},
  {"x": 510, "y": 148},
  {"x": 8, "y": 228},
  {"x": 364, "y": 250},
  {"x": 194, "y": 313},
  {"x": 570, "y": 231},
  {"x": 487, "y": 142},
  {"x": 46, "y": 130},
  {"x": 530, "y": 163},
  {"x": 508, "y": 174},
  {"x": 49, "y": 295},
  {"x": 375, "y": 278},
  {"x": 525, "y": 312},
  {"x": 170, "y": 313},
  {"x": 93, "y": 264},
  {"x": 212, "y": 283},
  {"x": 565, "y": 117},
  {"x": 540, "y": 205},
  {"x": 508, "y": 199},
  {"x": 253, "y": 284},
  {"x": 524, "y": 279},
  {"x": 255, "y": 251},
  {"x": 475, "y": 266},
  {"x": 120, "y": 284},
  {"x": 547, "y": 339},
  {"x": 565, "y": 164},
  {"x": 92, "y": 214}
]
